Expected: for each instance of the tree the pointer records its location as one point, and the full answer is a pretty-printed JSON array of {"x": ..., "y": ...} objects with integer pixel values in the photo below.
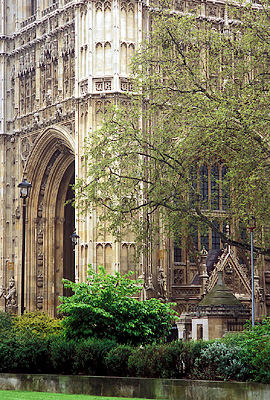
[
  {"x": 103, "y": 308},
  {"x": 200, "y": 97}
]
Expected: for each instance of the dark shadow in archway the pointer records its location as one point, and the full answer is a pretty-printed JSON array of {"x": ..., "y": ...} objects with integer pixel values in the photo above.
[{"x": 68, "y": 251}]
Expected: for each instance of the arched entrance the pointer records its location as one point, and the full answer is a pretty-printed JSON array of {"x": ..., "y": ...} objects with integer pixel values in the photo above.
[{"x": 49, "y": 254}]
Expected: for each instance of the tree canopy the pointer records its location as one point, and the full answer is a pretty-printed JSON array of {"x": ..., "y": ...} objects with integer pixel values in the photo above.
[
  {"x": 200, "y": 98},
  {"x": 104, "y": 308}
]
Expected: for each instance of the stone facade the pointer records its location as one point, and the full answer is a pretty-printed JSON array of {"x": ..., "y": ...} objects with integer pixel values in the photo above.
[{"x": 61, "y": 64}]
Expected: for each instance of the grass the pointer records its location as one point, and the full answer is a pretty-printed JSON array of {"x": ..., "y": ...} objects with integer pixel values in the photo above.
[{"x": 18, "y": 395}]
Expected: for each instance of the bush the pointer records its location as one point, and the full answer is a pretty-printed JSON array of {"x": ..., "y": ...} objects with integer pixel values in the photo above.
[
  {"x": 62, "y": 355},
  {"x": 156, "y": 361},
  {"x": 255, "y": 350},
  {"x": 38, "y": 323},
  {"x": 6, "y": 323},
  {"x": 24, "y": 354},
  {"x": 219, "y": 361},
  {"x": 104, "y": 308},
  {"x": 89, "y": 356},
  {"x": 191, "y": 351},
  {"x": 117, "y": 360}
]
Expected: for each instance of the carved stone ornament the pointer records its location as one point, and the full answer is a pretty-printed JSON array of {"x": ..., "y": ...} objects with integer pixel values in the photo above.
[
  {"x": 10, "y": 295},
  {"x": 40, "y": 238},
  {"x": 40, "y": 209},
  {"x": 39, "y": 302},
  {"x": 40, "y": 281},
  {"x": 228, "y": 269},
  {"x": 178, "y": 276},
  {"x": 40, "y": 259},
  {"x": 17, "y": 212},
  {"x": 179, "y": 5},
  {"x": 267, "y": 299},
  {"x": 25, "y": 148},
  {"x": 267, "y": 276},
  {"x": 149, "y": 285},
  {"x": 161, "y": 281}
]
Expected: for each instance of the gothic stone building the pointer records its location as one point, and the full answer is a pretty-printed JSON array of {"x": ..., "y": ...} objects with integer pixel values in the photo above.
[{"x": 62, "y": 63}]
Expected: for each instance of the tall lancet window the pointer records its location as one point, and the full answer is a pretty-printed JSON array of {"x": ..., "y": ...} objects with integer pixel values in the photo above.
[{"x": 33, "y": 7}]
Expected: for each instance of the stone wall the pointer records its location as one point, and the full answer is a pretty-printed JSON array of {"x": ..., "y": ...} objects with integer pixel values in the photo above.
[{"x": 169, "y": 389}]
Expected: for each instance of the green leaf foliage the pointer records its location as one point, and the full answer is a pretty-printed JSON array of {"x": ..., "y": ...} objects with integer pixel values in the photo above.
[
  {"x": 201, "y": 95},
  {"x": 255, "y": 350},
  {"x": 38, "y": 323},
  {"x": 103, "y": 308},
  {"x": 219, "y": 361},
  {"x": 157, "y": 361}
]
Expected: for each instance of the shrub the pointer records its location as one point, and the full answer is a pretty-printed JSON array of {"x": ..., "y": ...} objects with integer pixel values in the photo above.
[
  {"x": 220, "y": 361},
  {"x": 24, "y": 354},
  {"x": 191, "y": 351},
  {"x": 156, "y": 361},
  {"x": 117, "y": 360},
  {"x": 89, "y": 356},
  {"x": 254, "y": 343},
  {"x": 6, "y": 323},
  {"x": 104, "y": 308},
  {"x": 62, "y": 355},
  {"x": 38, "y": 323}
]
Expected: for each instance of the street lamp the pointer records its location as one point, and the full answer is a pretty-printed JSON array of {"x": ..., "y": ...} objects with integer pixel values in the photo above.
[
  {"x": 251, "y": 227},
  {"x": 74, "y": 238},
  {"x": 24, "y": 190}
]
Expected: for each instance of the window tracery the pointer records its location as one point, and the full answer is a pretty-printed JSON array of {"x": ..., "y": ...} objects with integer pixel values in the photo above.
[{"x": 208, "y": 180}]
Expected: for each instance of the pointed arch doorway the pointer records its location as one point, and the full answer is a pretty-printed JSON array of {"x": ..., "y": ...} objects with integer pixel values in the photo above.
[{"x": 51, "y": 220}]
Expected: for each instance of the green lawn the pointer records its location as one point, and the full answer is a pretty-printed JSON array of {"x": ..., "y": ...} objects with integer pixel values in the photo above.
[{"x": 12, "y": 394}]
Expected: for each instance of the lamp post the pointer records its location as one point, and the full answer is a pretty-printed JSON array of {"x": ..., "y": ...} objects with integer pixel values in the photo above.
[
  {"x": 74, "y": 239},
  {"x": 24, "y": 190},
  {"x": 251, "y": 227}
]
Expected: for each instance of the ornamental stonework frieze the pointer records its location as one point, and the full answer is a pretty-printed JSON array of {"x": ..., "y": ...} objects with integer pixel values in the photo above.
[
  {"x": 194, "y": 7},
  {"x": 103, "y": 84},
  {"x": 103, "y": 5},
  {"x": 28, "y": 21},
  {"x": 83, "y": 85},
  {"x": 126, "y": 85},
  {"x": 212, "y": 11},
  {"x": 50, "y": 9},
  {"x": 178, "y": 276},
  {"x": 186, "y": 291},
  {"x": 52, "y": 114},
  {"x": 179, "y": 5}
]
